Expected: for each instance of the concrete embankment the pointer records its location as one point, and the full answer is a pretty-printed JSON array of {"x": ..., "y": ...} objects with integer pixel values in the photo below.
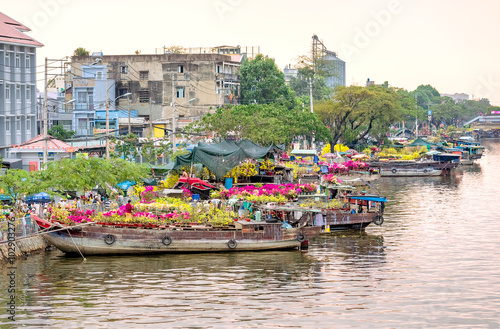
[{"x": 23, "y": 246}]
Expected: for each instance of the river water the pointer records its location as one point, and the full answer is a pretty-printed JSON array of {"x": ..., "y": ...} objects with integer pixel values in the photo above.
[{"x": 435, "y": 262}]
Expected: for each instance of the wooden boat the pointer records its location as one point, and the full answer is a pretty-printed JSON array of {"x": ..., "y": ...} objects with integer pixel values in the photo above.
[
  {"x": 411, "y": 168},
  {"x": 358, "y": 212},
  {"x": 94, "y": 239}
]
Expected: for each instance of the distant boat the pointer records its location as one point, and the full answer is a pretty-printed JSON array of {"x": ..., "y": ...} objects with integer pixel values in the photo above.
[{"x": 441, "y": 165}]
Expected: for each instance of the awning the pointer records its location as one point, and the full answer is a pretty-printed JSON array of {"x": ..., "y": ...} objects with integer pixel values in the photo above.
[
  {"x": 304, "y": 153},
  {"x": 369, "y": 198}
]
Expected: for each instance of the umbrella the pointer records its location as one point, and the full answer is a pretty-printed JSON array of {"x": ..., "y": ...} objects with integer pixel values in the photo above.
[
  {"x": 329, "y": 155},
  {"x": 41, "y": 197},
  {"x": 354, "y": 152}
]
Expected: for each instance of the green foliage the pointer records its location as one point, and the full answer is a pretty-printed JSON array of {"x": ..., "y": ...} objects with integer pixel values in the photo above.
[
  {"x": 263, "y": 83},
  {"x": 300, "y": 85},
  {"x": 426, "y": 95},
  {"x": 150, "y": 152},
  {"x": 80, "y": 51},
  {"x": 83, "y": 174},
  {"x": 127, "y": 147},
  {"x": 18, "y": 183},
  {"x": 58, "y": 132},
  {"x": 355, "y": 112},
  {"x": 264, "y": 124}
]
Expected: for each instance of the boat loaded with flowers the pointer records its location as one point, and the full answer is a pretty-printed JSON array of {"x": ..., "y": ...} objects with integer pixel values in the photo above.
[
  {"x": 169, "y": 225},
  {"x": 335, "y": 207}
]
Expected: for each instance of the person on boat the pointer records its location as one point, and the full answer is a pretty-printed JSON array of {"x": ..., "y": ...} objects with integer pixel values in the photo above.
[
  {"x": 185, "y": 174},
  {"x": 128, "y": 210}
]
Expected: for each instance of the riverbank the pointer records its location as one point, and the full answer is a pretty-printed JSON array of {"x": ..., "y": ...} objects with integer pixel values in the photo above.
[{"x": 23, "y": 246}]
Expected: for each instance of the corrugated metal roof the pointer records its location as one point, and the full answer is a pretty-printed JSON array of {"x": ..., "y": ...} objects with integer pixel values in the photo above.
[{"x": 11, "y": 31}]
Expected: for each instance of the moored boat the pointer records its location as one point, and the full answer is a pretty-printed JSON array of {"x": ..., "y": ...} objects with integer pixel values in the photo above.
[{"x": 95, "y": 239}]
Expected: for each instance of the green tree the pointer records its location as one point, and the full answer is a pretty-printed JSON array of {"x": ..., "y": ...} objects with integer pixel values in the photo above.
[
  {"x": 58, "y": 132},
  {"x": 263, "y": 83},
  {"x": 80, "y": 51},
  {"x": 356, "y": 112},
  {"x": 17, "y": 184},
  {"x": 426, "y": 95},
  {"x": 300, "y": 85},
  {"x": 264, "y": 124},
  {"x": 83, "y": 174}
]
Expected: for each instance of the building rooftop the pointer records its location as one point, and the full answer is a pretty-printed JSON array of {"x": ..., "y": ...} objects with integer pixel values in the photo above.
[
  {"x": 11, "y": 31},
  {"x": 52, "y": 144}
]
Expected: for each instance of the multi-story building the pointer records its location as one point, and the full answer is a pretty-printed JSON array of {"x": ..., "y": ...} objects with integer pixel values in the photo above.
[
  {"x": 457, "y": 97},
  {"x": 90, "y": 85},
  {"x": 289, "y": 72},
  {"x": 17, "y": 83},
  {"x": 193, "y": 83}
]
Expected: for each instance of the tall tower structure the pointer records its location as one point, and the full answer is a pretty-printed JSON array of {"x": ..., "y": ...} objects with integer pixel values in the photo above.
[{"x": 327, "y": 64}]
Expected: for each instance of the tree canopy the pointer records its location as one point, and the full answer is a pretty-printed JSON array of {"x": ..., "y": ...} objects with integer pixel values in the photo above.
[
  {"x": 263, "y": 83},
  {"x": 80, "y": 51},
  {"x": 59, "y": 132},
  {"x": 262, "y": 123},
  {"x": 83, "y": 174},
  {"x": 357, "y": 112}
]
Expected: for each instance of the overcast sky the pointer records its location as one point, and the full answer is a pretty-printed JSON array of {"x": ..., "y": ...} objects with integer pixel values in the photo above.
[{"x": 450, "y": 44}]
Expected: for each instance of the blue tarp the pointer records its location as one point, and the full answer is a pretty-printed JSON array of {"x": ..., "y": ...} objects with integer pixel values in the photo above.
[
  {"x": 125, "y": 185},
  {"x": 4, "y": 197},
  {"x": 369, "y": 198}
]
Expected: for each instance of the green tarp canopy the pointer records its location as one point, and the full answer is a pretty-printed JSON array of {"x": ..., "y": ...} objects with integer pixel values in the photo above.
[
  {"x": 420, "y": 142},
  {"x": 221, "y": 158}
]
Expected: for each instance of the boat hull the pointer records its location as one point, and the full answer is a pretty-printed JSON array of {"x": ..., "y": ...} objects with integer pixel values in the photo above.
[
  {"x": 95, "y": 240},
  {"x": 410, "y": 172},
  {"x": 346, "y": 221}
]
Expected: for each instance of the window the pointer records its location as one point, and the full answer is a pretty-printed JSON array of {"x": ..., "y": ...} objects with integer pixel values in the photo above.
[
  {"x": 7, "y": 92},
  {"x": 7, "y": 59},
  {"x": 18, "y": 124},
  {"x": 122, "y": 92},
  {"x": 28, "y": 62},
  {"x": 218, "y": 68},
  {"x": 98, "y": 75},
  {"x": 144, "y": 75},
  {"x": 28, "y": 93},
  {"x": 82, "y": 97},
  {"x": 28, "y": 124},
  {"x": 18, "y": 61},
  {"x": 180, "y": 69},
  {"x": 180, "y": 92},
  {"x": 143, "y": 96},
  {"x": 7, "y": 125},
  {"x": 18, "y": 93},
  {"x": 123, "y": 69}
]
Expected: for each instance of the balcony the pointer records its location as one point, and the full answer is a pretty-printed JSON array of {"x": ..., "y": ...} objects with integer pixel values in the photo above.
[
  {"x": 84, "y": 107},
  {"x": 227, "y": 77}
]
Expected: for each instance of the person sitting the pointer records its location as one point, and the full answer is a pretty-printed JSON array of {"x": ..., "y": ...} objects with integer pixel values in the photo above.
[{"x": 185, "y": 174}]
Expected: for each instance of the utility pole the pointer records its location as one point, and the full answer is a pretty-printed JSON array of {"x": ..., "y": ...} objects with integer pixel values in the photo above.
[
  {"x": 151, "y": 117},
  {"x": 45, "y": 146},
  {"x": 129, "y": 129},
  {"x": 173, "y": 116},
  {"x": 312, "y": 106},
  {"x": 311, "y": 95},
  {"x": 107, "y": 120}
]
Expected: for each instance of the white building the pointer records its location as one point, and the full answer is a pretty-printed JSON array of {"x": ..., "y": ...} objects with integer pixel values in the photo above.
[{"x": 17, "y": 83}]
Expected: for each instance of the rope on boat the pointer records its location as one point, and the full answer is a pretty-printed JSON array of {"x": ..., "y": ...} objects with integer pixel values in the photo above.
[{"x": 75, "y": 244}]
